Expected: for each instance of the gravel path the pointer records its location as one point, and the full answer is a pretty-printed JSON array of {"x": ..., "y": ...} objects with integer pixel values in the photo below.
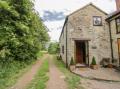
[
  {"x": 93, "y": 84},
  {"x": 28, "y": 76},
  {"x": 56, "y": 80}
]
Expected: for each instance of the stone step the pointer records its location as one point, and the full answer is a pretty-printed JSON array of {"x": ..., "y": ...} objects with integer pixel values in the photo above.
[
  {"x": 80, "y": 66},
  {"x": 118, "y": 68}
]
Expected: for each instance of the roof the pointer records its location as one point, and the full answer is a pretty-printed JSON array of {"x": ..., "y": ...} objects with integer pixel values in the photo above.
[
  {"x": 79, "y": 10},
  {"x": 87, "y": 6},
  {"x": 113, "y": 15},
  {"x": 66, "y": 19}
]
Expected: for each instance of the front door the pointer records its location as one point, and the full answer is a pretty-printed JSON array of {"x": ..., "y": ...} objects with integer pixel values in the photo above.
[
  {"x": 119, "y": 49},
  {"x": 80, "y": 52}
]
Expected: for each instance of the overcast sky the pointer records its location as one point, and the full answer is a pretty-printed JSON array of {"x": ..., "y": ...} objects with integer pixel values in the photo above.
[{"x": 53, "y": 12}]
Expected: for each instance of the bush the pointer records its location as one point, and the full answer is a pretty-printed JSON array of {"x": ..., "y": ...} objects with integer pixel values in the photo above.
[
  {"x": 93, "y": 61},
  {"x": 54, "y": 48},
  {"x": 72, "y": 61},
  {"x": 22, "y": 33}
]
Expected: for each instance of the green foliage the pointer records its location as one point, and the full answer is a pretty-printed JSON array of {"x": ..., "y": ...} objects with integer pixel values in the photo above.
[
  {"x": 93, "y": 61},
  {"x": 11, "y": 71},
  {"x": 41, "y": 78},
  {"x": 22, "y": 36},
  {"x": 72, "y": 61},
  {"x": 53, "y": 48},
  {"x": 72, "y": 79},
  {"x": 22, "y": 32}
]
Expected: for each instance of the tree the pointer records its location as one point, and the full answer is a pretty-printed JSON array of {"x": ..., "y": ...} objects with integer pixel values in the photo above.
[
  {"x": 22, "y": 32},
  {"x": 53, "y": 48}
]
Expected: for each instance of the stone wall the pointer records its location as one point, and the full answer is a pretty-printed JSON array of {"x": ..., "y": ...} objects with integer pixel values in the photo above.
[
  {"x": 80, "y": 25},
  {"x": 115, "y": 36},
  {"x": 63, "y": 43}
]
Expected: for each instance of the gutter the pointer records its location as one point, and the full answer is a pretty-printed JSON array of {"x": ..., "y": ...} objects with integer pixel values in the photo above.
[
  {"x": 113, "y": 15},
  {"x": 63, "y": 26},
  {"x": 111, "y": 42},
  {"x": 66, "y": 41}
]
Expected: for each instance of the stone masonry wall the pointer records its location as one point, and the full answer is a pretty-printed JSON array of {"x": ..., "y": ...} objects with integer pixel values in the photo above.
[
  {"x": 80, "y": 25},
  {"x": 115, "y": 36}
]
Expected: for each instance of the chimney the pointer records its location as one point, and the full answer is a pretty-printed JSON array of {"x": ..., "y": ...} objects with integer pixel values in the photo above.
[{"x": 118, "y": 4}]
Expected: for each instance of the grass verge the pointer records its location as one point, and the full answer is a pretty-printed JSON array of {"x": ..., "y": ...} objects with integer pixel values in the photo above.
[
  {"x": 41, "y": 53},
  {"x": 39, "y": 82},
  {"x": 11, "y": 71},
  {"x": 72, "y": 80}
]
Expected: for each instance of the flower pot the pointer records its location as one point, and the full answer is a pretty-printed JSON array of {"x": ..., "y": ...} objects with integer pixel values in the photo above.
[
  {"x": 94, "y": 67},
  {"x": 110, "y": 66},
  {"x": 72, "y": 67}
]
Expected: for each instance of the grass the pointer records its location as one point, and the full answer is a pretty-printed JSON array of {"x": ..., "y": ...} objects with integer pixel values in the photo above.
[
  {"x": 72, "y": 80},
  {"x": 41, "y": 53},
  {"x": 11, "y": 71},
  {"x": 39, "y": 82}
]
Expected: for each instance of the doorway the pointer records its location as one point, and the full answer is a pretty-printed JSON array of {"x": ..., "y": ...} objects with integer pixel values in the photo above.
[{"x": 80, "y": 52}]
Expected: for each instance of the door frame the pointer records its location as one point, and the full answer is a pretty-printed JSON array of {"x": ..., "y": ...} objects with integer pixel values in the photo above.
[
  {"x": 86, "y": 42},
  {"x": 118, "y": 50}
]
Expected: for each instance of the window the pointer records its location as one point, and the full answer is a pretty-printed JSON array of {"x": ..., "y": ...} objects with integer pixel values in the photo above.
[
  {"x": 118, "y": 24},
  {"x": 63, "y": 49},
  {"x": 97, "y": 20}
]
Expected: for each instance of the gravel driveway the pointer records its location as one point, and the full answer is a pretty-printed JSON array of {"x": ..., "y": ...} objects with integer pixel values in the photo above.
[
  {"x": 94, "y": 84},
  {"x": 28, "y": 76},
  {"x": 56, "y": 80}
]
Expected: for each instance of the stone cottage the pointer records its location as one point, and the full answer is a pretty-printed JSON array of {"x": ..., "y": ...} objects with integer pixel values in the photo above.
[
  {"x": 90, "y": 32},
  {"x": 85, "y": 34},
  {"x": 114, "y": 29}
]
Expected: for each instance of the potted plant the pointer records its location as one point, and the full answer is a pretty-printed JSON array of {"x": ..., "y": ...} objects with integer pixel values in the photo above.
[
  {"x": 72, "y": 61},
  {"x": 94, "y": 64},
  {"x": 110, "y": 65},
  {"x": 72, "y": 64}
]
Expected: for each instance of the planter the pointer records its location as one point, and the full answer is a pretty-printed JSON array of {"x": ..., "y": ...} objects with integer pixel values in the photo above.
[
  {"x": 110, "y": 66},
  {"x": 95, "y": 67},
  {"x": 72, "y": 67}
]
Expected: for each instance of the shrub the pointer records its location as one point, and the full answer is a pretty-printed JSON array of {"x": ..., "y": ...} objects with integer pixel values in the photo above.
[
  {"x": 22, "y": 33},
  {"x": 93, "y": 61},
  {"x": 54, "y": 48},
  {"x": 72, "y": 61}
]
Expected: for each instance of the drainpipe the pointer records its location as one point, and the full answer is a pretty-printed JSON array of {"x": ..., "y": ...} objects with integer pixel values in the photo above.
[
  {"x": 66, "y": 42},
  {"x": 111, "y": 42}
]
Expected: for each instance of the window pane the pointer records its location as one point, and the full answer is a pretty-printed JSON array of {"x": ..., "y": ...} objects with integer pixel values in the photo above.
[
  {"x": 119, "y": 28},
  {"x": 118, "y": 24}
]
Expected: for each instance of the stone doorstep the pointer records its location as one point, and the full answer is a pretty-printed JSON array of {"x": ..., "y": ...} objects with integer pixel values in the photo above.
[
  {"x": 118, "y": 68},
  {"x": 80, "y": 66}
]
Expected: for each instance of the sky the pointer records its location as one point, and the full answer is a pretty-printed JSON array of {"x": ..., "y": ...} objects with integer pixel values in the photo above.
[{"x": 53, "y": 12}]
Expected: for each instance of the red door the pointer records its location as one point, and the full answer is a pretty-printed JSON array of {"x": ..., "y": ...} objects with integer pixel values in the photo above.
[{"x": 79, "y": 52}]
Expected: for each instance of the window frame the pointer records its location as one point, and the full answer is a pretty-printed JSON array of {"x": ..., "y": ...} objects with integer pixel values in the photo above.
[
  {"x": 97, "y": 17},
  {"x": 117, "y": 31},
  {"x": 62, "y": 49}
]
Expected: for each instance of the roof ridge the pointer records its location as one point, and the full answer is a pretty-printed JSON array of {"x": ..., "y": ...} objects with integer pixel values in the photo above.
[{"x": 86, "y": 6}]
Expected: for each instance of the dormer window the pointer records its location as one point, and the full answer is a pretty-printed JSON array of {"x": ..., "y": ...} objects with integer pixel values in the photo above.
[
  {"x": 118, "y": 24},
  {"x": 97, "y": 20}
]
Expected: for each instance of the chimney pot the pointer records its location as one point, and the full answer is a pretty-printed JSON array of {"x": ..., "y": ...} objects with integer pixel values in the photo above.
[{"x": 118, "y": 4}]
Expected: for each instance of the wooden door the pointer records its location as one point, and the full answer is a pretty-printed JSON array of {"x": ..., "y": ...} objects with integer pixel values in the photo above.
[
  {"x": 79, "y": 52},
  {"x": 119, "y": 48}
]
